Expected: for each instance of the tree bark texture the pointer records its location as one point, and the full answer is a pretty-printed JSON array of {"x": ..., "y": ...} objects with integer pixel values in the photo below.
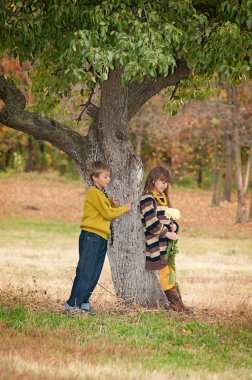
[{"x": 110, "y": 137}]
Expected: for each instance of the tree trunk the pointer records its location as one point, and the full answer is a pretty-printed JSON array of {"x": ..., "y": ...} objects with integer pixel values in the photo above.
[
  {"x": 215, "y": 173},
  {"x": 250, "y": 209},
  {"x": 30, "y": 158},
  {"x": 248, "y": 169},
  {"x": 112, "y": 143},
  {"x": 139, "y": 138},
  {"x": 200, "y": 174},
  {"x": 241, "y": 196},
  {"x": 229, "y": 164},
  {"x": 220, "y": 177}
]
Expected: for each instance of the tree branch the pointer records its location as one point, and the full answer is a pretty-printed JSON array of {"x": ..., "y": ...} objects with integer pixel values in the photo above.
[
  {"x": 87, "y": 104},
  {"x": 93, "y": 111},
  {"x": 14, "y": 116},
  {"x": 139, "y": 93}
]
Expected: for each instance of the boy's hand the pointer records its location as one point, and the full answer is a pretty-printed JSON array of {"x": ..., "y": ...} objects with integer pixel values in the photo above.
[
  {"x": 114, "y": 201},
  {"x": 171, "y": 235},
  {"x": 129, "y": 205},
  {"x": 173, "y": 227}
]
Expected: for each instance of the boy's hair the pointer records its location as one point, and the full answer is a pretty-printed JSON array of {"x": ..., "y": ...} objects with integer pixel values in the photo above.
[
  {"x": 97, "y": 168},
  {"x": 158, "y": 173}
]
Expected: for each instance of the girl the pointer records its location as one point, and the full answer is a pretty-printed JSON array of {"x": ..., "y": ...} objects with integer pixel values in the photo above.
[{"x": 158, "y": 232}]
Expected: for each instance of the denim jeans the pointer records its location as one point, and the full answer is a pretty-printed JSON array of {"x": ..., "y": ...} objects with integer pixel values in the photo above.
[{"x": 92, "y": 252}]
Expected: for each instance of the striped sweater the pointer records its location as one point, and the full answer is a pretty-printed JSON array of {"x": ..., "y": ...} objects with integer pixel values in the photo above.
[{"x": 155, "y": 227}]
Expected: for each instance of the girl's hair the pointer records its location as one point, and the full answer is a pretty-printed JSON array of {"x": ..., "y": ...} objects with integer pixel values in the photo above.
[
  {"x": 158, "y": 173},
  {"x": 97, "y": 168}
]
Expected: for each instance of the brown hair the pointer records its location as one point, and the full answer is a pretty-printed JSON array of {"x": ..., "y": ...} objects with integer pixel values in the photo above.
[
  {"x": 97, "y": 168},
  {"x": 158, "y": 173}
]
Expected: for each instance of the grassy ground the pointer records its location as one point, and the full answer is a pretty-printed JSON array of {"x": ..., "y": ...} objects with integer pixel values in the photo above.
[
  {"x": 38, "y": 253},
  {"x": 141, "y": 342}
]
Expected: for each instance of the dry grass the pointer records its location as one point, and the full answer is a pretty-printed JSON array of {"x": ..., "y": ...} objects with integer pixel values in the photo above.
[
  {"x": 15, "y": 368},
  {"x": 41, "y": 279}
]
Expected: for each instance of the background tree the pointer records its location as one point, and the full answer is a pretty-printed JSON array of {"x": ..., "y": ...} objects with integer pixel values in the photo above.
[{"x": 130, "y": 50}]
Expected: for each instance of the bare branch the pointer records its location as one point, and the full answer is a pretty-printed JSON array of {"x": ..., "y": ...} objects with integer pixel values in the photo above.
[
  {"x": 173, "y": 95},
  {"x": 87, "y": 104}
]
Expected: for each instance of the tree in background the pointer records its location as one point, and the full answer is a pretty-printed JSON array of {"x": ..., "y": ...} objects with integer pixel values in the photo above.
[{"x": 130, "y": 50}]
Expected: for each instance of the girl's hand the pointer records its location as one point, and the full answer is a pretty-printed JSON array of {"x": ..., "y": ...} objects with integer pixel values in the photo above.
[
  {"x": 173, "y": 227},
  {"x": 114, "y": 201},
  {"x": 171, "y": 235}
]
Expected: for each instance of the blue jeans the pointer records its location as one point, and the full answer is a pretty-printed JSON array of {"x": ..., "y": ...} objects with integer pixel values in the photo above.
[{"x": 92, "y": 252}]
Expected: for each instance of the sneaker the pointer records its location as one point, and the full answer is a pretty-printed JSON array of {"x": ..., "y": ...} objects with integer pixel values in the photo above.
[
  {"x": 85, "y": 306},
  {"x": 70, "y": 308}
]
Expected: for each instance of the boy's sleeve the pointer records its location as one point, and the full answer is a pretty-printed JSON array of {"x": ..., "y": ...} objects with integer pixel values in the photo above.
[
  {"x": 152, "y": 223},
  {"x": 104, "y": 207}
]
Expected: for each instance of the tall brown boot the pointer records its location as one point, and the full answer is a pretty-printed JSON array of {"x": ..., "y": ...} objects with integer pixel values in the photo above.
[
  {"x": 186, "y": 308},
  {"x": 174, "y": 300}
]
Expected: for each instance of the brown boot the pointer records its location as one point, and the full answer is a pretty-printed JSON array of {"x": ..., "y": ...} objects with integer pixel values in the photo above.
[
  {"x": 186, "y": 308},
  {"x": 174, "y": 300}
]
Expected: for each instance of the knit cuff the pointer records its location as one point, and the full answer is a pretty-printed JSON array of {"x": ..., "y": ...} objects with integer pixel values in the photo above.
[{"x": 164, "y": 232}]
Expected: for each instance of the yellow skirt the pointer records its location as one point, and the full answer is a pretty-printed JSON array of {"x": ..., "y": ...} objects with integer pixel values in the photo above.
[{"x": 167, "y": 278}]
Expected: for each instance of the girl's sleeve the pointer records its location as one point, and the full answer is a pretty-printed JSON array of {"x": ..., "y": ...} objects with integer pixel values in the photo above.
[
  {"x": 152, "y": 223},
  {"x": 104, "y": 207}
]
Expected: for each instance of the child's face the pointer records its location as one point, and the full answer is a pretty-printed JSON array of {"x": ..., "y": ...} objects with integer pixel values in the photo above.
[
  {"x": 160, "y": 186},
  {"x": 103, "y": 180}
]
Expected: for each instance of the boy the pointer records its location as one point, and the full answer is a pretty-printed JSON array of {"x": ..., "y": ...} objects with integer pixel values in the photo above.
[{"x": 95, "y": 230}]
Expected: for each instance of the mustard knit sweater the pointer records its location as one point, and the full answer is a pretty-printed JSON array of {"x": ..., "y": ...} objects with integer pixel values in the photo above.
[{"x": 98, "y": 212}]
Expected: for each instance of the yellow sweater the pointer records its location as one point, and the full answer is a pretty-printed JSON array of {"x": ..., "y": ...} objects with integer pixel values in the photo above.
[{"x": 98, "y": 212}]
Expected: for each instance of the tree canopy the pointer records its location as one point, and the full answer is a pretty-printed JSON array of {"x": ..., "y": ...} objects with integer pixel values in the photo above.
[{"x": 70, "y": 41}]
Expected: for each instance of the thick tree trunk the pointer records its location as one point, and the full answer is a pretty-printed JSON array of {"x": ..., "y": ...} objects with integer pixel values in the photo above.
[
  {"x": 139, "y": 139},
  {"x": 111, "y": 139}
]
